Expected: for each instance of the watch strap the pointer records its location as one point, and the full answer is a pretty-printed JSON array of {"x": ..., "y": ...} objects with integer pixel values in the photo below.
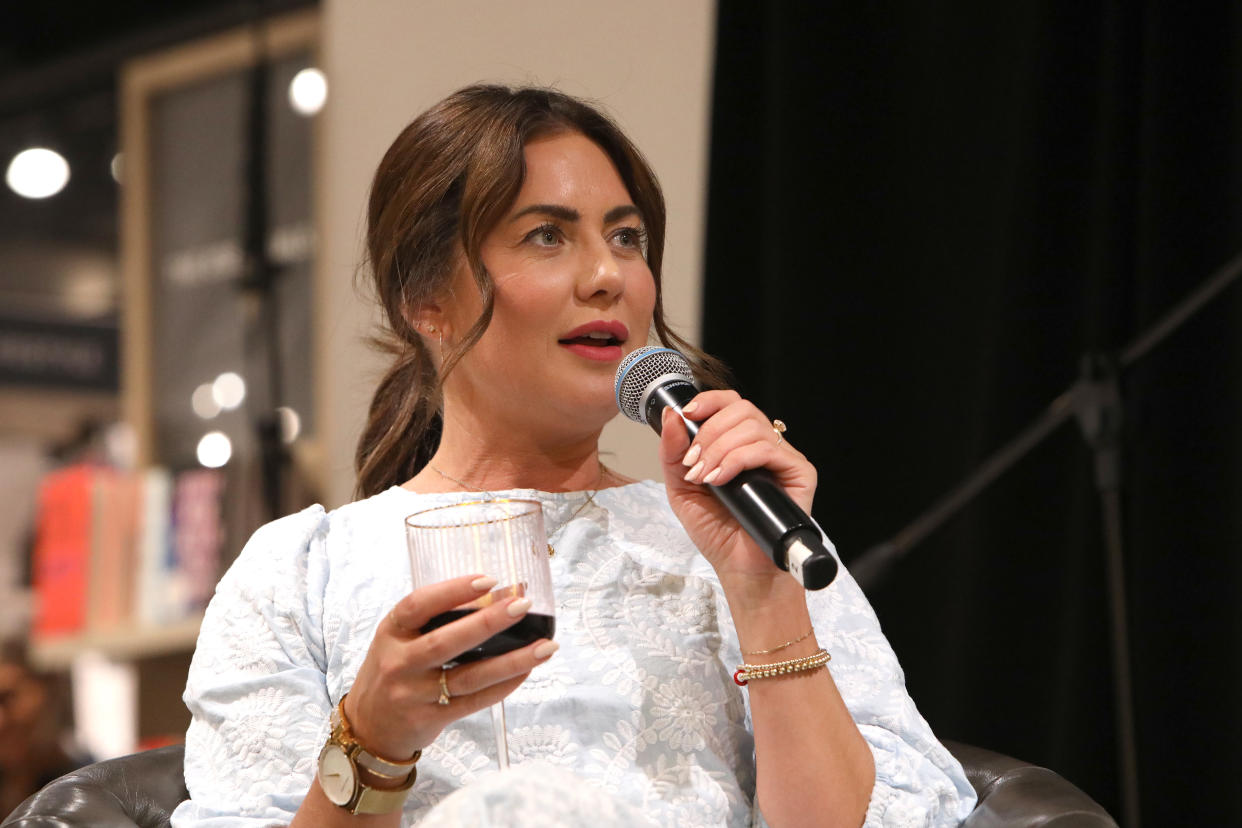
[
  {"x": 366, "y": 798},
  {"x": 370, "y": 800},
  {"x": 383, "y": 767},
  {"x": 376, "y": 764}
]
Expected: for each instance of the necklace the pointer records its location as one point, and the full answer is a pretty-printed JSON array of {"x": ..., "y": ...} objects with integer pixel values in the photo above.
[{"x": 590, "y": 499}]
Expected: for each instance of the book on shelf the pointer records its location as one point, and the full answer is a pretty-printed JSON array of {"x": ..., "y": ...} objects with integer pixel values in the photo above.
[
  {"x": 61, "y": 558},
  {"x": 118, "y": 550},
  {"x": 113, "y": 549}
]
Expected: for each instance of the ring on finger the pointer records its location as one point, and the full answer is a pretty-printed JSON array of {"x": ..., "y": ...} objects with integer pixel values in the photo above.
[
  {"x": 445, "y": 695},
  {"x": 779, "y": 427}
]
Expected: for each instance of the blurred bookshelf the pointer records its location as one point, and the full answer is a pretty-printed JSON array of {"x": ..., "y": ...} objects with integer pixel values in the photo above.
[{"x": 119, "y": 644}]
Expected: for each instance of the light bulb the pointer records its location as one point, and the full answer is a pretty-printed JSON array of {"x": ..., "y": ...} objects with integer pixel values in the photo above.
[
  {"x": 37, "y": 172},
  {"x": 307, "y": 91}
]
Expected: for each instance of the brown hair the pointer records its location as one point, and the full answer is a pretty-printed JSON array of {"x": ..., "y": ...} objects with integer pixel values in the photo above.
[{"x": 445, "y": 182}]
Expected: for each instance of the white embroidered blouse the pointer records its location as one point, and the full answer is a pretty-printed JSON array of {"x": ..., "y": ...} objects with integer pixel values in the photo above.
[{"x": 639, "y": 701}]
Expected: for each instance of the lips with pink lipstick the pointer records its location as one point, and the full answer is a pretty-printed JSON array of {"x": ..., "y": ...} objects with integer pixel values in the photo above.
[{"x": 600, "y": 340}]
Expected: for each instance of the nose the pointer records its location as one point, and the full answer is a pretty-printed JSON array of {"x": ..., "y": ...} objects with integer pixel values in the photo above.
[{"x": 602, "y": 276}]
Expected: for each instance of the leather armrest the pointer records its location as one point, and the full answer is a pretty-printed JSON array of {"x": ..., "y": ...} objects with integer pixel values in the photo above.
[
  {"x": 1017, "y": 794},
  {"x": 141, "y": 789}
]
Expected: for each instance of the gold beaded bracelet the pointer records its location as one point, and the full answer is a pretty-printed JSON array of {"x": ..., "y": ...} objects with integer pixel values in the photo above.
[{"x": 778, "y": 668}]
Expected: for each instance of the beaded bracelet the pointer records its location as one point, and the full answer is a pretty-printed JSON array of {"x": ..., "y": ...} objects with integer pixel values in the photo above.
[{"x": 777, "y": 668}]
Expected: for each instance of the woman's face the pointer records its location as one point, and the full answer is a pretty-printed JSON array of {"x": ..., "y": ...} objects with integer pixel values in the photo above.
[{"x": 573, "y": 294}]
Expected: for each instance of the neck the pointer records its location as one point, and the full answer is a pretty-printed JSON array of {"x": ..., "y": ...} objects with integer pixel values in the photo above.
[{"x": 486, "y": 459}]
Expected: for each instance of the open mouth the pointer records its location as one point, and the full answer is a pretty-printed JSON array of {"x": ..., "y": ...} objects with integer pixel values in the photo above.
[
  {"x": 593, "y": 340},
  {"x": 600, "y": 340}
]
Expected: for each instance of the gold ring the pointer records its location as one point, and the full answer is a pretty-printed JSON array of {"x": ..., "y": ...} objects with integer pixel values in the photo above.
[
  {"x": 779, "y": 427},
  {"x": 445, "y": 695}
]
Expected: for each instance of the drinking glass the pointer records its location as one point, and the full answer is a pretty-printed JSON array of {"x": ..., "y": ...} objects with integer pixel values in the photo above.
[{"x": 500, "y": 537}]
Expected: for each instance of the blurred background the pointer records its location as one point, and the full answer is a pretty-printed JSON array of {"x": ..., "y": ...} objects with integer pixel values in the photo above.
[{"x": 906, "y": 227}]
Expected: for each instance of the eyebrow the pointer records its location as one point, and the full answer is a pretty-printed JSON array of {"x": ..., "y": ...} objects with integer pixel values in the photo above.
[{"x": 569, "y": 214}]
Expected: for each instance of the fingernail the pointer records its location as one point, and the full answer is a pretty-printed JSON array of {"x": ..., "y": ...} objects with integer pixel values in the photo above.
[
  {"x": 692, "y": 455},
  {"x": 712, "y": 475},
  {"x": 482, "y": 583},
  {"x": 694, "y": 472},
  {"x": 546, "y": 649},
  {"x": 518, "y": 607},
  {"x": 689, "y": 408}
]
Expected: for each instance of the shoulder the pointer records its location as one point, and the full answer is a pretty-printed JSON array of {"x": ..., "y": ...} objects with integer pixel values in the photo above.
[{"x": 291, "y": 547}]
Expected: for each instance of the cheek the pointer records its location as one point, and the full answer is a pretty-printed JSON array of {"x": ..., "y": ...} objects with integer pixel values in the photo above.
[
  {"x": 525, "y": 306},
  {"x": 643, "y": 290}
]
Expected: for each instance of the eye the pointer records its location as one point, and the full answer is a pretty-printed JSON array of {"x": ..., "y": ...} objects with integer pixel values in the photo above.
[
  {"x": 634, "y": 238},
  {"x": 545, "y": 235}
]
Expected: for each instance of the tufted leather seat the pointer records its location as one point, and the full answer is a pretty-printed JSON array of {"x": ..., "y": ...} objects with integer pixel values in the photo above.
[{"x": 142, "y": 790}]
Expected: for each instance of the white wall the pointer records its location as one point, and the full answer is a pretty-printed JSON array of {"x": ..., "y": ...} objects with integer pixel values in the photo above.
[{"x": 647, "y": 61}]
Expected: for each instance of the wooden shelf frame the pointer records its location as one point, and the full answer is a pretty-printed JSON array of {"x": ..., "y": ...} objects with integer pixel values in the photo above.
[{"x": 119, "y": 644}]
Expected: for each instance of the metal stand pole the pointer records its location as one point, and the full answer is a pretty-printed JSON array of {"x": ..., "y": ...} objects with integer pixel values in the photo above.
[
  {"x": 1100, "y": 416},
  {"x": 1096, "y": 401}
]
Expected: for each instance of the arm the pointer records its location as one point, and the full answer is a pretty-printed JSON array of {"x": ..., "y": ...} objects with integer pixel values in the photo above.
[
  {"x": 833, "y": 746},
  {"x": 257, "y": 690}
]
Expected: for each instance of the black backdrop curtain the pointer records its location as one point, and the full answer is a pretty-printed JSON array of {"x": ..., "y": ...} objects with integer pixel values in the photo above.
[{"x": 920, "y": 218}]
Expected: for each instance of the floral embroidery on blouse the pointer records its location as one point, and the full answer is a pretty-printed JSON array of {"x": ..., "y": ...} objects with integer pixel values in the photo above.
[{"x": 638, "y": 703}]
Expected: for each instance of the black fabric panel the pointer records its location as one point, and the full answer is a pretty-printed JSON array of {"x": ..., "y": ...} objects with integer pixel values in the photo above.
[{"x": 921, "y": 216}]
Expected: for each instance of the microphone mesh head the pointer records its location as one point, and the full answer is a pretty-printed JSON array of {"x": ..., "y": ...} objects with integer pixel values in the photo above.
[{"x": 638, "y": 370}]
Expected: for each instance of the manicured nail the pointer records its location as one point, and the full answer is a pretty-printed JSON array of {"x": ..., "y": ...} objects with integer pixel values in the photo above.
[
  {"x": 692, "y": 455},
  {"x": 546, "y": 649},
  {"x": 694, "y": 472},
  {"x": 518, "y": 607},
  {"x": 483, "y": 583},
  {"x": 690, "y": 407},
  {"x": 712, "y": 475}
]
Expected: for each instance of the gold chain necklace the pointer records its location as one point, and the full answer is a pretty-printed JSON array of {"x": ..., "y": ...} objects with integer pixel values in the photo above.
[{"x": 590, "y": 499}]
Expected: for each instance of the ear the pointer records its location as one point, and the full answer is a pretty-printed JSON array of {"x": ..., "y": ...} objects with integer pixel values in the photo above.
[{"x": 428, "y": 319}]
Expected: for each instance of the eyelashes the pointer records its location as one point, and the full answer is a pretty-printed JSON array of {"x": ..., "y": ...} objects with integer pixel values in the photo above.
[{"x": 548, "y": 235}]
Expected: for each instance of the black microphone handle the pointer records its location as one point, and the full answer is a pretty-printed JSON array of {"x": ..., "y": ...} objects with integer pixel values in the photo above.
[{"x": 756, "y": 501}]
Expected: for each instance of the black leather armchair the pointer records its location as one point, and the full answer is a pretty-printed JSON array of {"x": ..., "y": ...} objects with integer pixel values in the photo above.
[{"x": 142, "y": 790}]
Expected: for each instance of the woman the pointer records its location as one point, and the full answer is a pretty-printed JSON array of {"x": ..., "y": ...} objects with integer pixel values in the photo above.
[{"x": 515, "y": 240}]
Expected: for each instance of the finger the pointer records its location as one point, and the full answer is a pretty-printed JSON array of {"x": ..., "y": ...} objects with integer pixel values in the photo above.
[
  {"x": 715, "y": 449},
  {"x": 674, "y": 438},
  {"x": 469, "y": 679},
  {"x": 464, "y": 705},
  {"x": 741, "y": 414},
  {"x": 413, "y": 611},
  {"x": 707, "y": 403},
  {"x": 764, "y": 453},
  {"x": 444, "y": 644}
]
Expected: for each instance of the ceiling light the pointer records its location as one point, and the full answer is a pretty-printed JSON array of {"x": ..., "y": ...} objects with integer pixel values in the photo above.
[
  {"x": 37, "y": 172},
  {"x": 307, "y": 91},
  {"x": 203, "y": 401},
  {"x": 214, "y": 449},
  {"x": 290, "y": 424},
  {"x": 228, "y": 390}
]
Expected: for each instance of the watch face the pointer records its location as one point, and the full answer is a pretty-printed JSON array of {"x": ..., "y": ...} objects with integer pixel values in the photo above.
[{"x": 336, "y": 775}]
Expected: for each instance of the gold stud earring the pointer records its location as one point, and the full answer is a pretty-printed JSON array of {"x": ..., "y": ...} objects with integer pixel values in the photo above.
[{"x": 440, "y": 337}]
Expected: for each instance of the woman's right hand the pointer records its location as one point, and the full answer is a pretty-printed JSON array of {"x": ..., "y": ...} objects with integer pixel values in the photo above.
[{"x": 393, "y": 705}]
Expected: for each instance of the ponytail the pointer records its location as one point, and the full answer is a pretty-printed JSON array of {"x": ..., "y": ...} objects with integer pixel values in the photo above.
[{"x": 403, "y": 423}]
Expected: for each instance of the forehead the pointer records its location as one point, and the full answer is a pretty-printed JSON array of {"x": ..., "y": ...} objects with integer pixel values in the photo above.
[{"x": 569, "y": 168}]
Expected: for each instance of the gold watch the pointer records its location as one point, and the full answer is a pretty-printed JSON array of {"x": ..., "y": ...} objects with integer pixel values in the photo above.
[{"x": 340, "y": 760}]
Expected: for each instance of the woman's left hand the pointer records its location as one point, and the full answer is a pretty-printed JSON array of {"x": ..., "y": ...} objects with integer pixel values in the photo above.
[{"x": 733, "y": 435}]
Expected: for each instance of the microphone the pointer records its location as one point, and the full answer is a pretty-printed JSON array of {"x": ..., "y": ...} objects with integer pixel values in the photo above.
[{"x": 652, "y": 378}]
